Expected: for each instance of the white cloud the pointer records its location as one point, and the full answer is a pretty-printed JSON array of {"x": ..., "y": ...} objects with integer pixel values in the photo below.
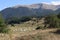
[
  {"x": 52, "y": 2},
  {"x": 55, "y": 2}
]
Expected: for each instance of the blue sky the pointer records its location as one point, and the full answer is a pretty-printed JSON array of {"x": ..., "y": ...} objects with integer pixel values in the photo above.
[{"x": 9, "y": 3}]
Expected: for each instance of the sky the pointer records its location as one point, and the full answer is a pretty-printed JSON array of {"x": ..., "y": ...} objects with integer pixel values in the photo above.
[{"x": 9, "y": 3}]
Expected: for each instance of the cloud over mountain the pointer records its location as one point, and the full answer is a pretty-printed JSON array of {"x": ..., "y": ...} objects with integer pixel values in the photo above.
[
  {"x": 53, "y": 2},
  {"x": 41, "y": 9}
]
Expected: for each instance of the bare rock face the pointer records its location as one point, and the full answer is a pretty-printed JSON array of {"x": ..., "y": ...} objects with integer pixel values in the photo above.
[{"x": 30, "y": 10}]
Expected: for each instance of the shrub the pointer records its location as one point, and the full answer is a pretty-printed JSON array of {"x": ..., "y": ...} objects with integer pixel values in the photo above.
[
  {"x": 53, "y": 21},
  {"x": 39, "y": 27},
  {"x": 3, "y": 26},
  {"x": 12, "y": 24},
  {"x": 58, "y": 15}
]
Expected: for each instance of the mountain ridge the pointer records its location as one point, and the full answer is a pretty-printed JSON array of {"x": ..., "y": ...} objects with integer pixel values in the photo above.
[{"x": 30, "y": 10}]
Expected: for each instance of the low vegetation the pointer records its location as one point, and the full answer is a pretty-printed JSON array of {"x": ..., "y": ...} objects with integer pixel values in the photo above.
[
  {"x": 3, "y": 26},
  {"x": 53, "y": 21},
  {"x": 15, "y": 20},
  {"x": 26, "y": 24}
]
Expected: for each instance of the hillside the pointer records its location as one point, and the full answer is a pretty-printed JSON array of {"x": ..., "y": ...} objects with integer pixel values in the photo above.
[
  {"x": 30, "y": 22},
  {"x": 30, "y": 10},
  {"x": 47, "y": 34},
  {"x": 28, "y": 31}
]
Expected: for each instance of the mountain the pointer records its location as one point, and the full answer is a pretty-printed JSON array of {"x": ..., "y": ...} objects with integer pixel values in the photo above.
[
  {"x": 17, "y": 12},
  {"x": 30, "y": 10}
]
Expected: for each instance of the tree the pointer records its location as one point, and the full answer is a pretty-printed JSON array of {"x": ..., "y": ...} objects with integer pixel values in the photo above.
[
  {"x": 58, "y": 15},
  {"x": 13, "y": 20},
  {"x": 3, "y": 27},
  {"x": 53, "y": 21},
  {"x": 25, "y": 18}
]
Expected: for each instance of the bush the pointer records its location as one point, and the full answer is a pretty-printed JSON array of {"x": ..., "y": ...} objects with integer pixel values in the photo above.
[
  {"x": 3, "y": 26},
  {"x": 4, "y": 30},
  {"x": 53, "y": 21},
  {"x": 58, "y": 15},
  {"x": 39, "y": 27},
  {"x": 12, "y": 24}
]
